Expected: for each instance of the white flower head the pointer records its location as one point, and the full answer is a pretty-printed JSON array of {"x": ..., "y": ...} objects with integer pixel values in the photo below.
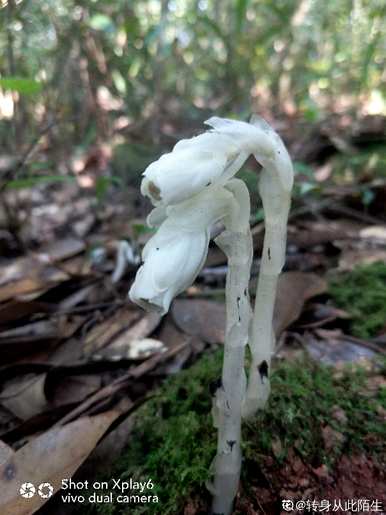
[
  {"x": 188, "y": 186},
  {"x": 193, "y": 165},
  {"x": 172, "y": 261},
  {"x": 259, "y": 139},
  {"x": 174, "y": 256},
  {"x": 213, "y": 158}
]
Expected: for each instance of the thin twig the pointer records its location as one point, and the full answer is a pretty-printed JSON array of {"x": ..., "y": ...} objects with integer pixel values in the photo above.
[
  {"x": 13, "y": 172},
  {"x": 364, "y": 343}
]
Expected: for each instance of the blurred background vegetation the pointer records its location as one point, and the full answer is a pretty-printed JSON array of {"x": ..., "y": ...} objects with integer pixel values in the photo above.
[
  {"x": 106, "y": 85},
  {"x": 100, "y": 67},
  {"x": 92, "y": 91}
]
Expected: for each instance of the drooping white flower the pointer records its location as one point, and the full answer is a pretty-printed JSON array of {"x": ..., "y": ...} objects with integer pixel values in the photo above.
[
  {"x": 174, "y": 256},
  {"x": 213, "y": 158},
  {"x": 188, "y": 188},
  {"x": 192, "y": 188},
  {"x": 172, "y": 261},
  {"x": 259, "y": 139},
  {"x": 193, "y": 165}
]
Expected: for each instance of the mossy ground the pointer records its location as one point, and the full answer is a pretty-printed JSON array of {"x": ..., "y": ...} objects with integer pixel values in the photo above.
[
  {"x": 173, "y": 441},
  {"x": 362, "y": 293}
]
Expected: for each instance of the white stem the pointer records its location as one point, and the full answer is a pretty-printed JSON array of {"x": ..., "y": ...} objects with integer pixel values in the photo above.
[
  {"x": 231, "y": 390},
  {"x": 276, "y": 203}
]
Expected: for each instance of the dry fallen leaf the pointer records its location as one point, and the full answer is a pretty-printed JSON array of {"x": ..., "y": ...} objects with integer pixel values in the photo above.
[
  {"x": 172, "y": 338},
  {"x": 31, "y": 278},
  {"x": 35, "y": 337},
  {"x": 6, "y": 452},
  {"x": 206, "y": 319},
  {"x": 202, "y": 318},
  {"x": 43, "y": 329},
  {"x": 133, "y": 350},
  {"x": 334, "y": 348},
  {"x": 294, "y": 289},
  {"x": 374, "y": 233},
  {"x": 15, "y": 310},
  {"x": 58, "y": 250},
  {"x": 331, "y": 437},
  {"x": 103, "y": 333},
  {"x": 49, "y": 458},
  {"x": 339, "y": 414},
  {"x": 65, "y": 389},
  {"x": 123, "y": 343},
  {"x": 354, "y": 257},
  {"x": 24, "y": 396}
]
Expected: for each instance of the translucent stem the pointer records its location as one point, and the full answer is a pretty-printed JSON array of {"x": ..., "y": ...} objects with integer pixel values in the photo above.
[
  {"x": 276, "y": 203},
  {"x": 231, "y": 389}
]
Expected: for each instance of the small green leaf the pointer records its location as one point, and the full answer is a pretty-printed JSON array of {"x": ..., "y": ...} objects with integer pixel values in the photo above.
[
  {"x": 241, "y": 9},
  {"x": 29, "y": 182},
  {"x": 367, "y": 196},
  {"x": 103, "y": 184},
  {"x": 140, "y": 229},
  {"x": 258, "y": 216},
  {"x": 101, "y": 22},
  {"x": 306, "y": 187},
  {"x": 23, "y": 85},
  {"x": 304, "y": 169}
]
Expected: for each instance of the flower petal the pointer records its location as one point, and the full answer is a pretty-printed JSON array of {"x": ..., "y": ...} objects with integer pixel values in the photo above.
[
  {"x": 178, "y": 176},
  {"x": 169, "y": 269},
  {"x": 258, "y": 138}
]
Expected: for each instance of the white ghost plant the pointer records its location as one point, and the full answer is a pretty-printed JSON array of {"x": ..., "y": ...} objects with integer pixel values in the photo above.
[{"x": 193, "y": 187}]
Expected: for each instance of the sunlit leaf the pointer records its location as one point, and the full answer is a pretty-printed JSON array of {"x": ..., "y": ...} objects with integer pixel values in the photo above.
[
  {"x": 119, "y": 81},
  {"x": 23, "y": 85},
  {"x": 241, "y": 9},
  {"x": 306, "y": 187},
  {"x": 101, "y": 22}
]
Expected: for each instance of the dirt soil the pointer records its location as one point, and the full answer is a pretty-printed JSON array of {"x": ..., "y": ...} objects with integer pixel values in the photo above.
[{"x": 353, "y": 478}]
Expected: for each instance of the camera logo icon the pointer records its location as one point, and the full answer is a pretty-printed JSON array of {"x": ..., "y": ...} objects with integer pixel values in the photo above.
[{"x": 28, "y": 490}]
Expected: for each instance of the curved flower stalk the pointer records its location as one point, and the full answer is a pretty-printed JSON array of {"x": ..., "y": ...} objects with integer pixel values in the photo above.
[
  {"x": 236, "y": 243},
  {"x": 192, "y": 188}
]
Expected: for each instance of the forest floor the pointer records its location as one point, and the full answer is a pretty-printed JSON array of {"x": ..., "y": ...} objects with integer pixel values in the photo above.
[
  {"x": 322, "y": 438},
  {"x": 80, "y": 362}
]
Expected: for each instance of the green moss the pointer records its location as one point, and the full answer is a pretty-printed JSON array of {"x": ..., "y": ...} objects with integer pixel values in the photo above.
[
  {"x": 362, "y": 293},
  {"x": 173, "y": 441}
]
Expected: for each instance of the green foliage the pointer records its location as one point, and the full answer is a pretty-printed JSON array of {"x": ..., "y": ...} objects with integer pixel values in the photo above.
[
  {"x": 241, "y": 11},
  {"x": 29, "y": 182},
  {"x": 174, "y": 442},
  {"x": 368, "y": 163},
  {"x": 139, "y": 229},
  {"x": 307, "y": 184},
  {"x": 22, "y": 85},
  {"x": 304, "y": 396},
  {"x": 130, "y": 160},
  {"x": 362, "y": 293},
  {"x": 201, "y": 52},
  {"x": 103, "y": 184}
]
